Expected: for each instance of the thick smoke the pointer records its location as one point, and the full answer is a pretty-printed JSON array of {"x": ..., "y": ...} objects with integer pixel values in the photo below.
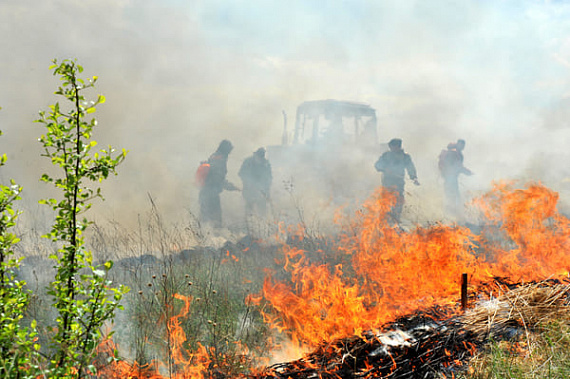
[{"x": 181, "y": 76}]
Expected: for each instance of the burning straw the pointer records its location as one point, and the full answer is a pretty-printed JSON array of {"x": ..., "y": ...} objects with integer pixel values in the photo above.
[
  {"x": 386, "y": 273},
  {"x": 362, "y": 298},
  {"x": 429, "y": 345}
]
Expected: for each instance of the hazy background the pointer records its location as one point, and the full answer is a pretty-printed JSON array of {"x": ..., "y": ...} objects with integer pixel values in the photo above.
[{"x": 179, "y": 76}]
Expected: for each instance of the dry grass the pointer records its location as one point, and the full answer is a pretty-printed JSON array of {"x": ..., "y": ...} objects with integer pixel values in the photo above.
[
  {"x": 528, "y": 306},
  {"x": 529, "y": 332}
]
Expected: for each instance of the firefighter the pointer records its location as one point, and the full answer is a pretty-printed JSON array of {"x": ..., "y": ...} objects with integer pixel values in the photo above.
[
  {"x": 393, "y": 165},
  {"x": 451, "y": 166},
  {"x": 255, "y": 174},
  {"x": 214, "y": 183}
]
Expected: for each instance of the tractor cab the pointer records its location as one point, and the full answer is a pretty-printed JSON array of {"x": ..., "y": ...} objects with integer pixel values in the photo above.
[
  {"x": 333, "y": 122},
  {"x": 331, "y": 149}
]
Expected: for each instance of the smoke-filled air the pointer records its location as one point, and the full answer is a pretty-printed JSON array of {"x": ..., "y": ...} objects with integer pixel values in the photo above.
[
  {"x": 297, "y": 173},
  {"x": 180, "y": 77}
]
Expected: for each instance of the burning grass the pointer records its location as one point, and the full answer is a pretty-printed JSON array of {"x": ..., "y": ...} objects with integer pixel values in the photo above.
[
  {"x": 379, "y": 273},
  {"x": 373, "y": 301},
  {"x": 431, "y": 344}
]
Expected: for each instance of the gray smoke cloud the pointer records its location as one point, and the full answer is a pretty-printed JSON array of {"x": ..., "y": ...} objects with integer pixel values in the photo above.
[{"x": 181, "y": 76}]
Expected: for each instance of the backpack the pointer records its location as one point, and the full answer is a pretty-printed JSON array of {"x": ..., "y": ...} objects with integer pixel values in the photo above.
[
  {"x": 443, "y": 160},
  {"x": 202, "y": 173},
  {"x": 447, "y": 163}
]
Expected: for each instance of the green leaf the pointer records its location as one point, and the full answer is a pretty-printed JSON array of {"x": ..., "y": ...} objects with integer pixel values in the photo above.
[{"x": 77, "y": 294}]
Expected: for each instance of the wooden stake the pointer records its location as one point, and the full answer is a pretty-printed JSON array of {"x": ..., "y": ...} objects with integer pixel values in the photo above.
[{"x": 464, "y": 291}]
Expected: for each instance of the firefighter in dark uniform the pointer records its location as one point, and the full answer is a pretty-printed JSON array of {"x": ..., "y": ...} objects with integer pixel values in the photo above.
[
  {"x": 255, "y": 173},
  {"x": 451, "y": 166},
  {"x": 393, "y": 165},
  {"x": 214, "y": 183}
]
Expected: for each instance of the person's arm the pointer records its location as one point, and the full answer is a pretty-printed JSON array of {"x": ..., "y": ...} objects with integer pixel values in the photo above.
[
  {"x": 241, "y": 172},
  {"x": 269, "y": 177},
  {"x": 411, "y": 168},
  {"x": 465, "y": 170},
  {"x": 229, "y": 186},
  {"x": 380, "y": 164}
]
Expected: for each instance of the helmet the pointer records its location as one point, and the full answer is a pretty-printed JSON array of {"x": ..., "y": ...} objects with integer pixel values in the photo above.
[
  {"x": 395, "y": 142},
  {"x": 260, "y": 152},
  {"x": 225, "y": 147}
]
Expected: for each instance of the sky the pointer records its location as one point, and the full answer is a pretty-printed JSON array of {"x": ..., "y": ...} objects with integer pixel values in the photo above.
[{"x": 180, "y": 76}]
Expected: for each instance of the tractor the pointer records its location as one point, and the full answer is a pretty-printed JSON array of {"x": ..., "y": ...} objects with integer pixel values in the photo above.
[{"x": 330, "y": 151}]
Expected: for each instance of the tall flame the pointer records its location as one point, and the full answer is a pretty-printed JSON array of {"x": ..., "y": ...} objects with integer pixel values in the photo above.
[
  {"x": 534, "y": 243},
  {"x": 183, "y": 363},
  {"x": 377, "y": 272},
  {"x": 390, "y": 272}
]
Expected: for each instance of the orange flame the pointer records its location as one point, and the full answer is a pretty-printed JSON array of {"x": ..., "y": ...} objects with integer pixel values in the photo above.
[
  {"x": 537, "y": 242},
  {"x": 381, "y": 272},
  {"x": 186, "y": 365},
  {"x": 390, "y": 272}
]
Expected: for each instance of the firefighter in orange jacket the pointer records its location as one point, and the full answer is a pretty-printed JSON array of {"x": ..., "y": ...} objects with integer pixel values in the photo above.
[{"x": 214, "y": 183}]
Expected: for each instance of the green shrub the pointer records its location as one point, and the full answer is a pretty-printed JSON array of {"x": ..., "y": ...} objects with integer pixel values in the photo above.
[
  {"x": 18, "y": 352},
  {"x": 82, "y": 293}
]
